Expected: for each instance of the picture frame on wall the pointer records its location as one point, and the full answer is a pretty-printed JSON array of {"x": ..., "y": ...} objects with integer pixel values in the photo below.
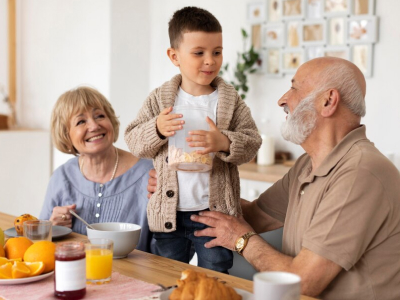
[
  {"x": 337, "y": 51},
  {"x": 273, "y": 35},
  {"x": 336, "y": 7},
  {"x": 274, "y": 10},
  {"x": 362, "y": 29},
  {"x": 293, "y": 34},
  {"x": 315, "y": 9},
  {"x": 256, "y": 36},
  {"x": 361, "y": 56},
  {"x": 272, "y": 64},
  {"x": 256, "y": 11},
  {"x": 292, "y": 59},
  {"x": 313, "y": 32},
  {"x": 336, "y": 31},
  {"x": 293, "y": 9},
  {"x": 312, "y": 52},
  {"x": 362, "y": 7}
]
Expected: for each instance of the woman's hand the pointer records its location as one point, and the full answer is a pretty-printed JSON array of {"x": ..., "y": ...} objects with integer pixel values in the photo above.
[
  {"x": 152, "y": 185},
  {"x": 61, "y": 216}
]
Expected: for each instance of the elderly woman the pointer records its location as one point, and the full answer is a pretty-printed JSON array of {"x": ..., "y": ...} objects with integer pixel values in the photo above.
[{"x": 101, "y": 183}]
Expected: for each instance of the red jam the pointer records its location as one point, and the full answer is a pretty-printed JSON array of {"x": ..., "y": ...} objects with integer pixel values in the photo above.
[{"x": 70, "y": 271}]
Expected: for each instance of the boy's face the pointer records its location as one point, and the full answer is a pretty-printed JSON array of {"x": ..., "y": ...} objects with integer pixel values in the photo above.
[{"x": 199, "y": 58}]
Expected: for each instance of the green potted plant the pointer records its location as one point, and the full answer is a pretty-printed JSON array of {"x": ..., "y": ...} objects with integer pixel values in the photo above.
[{"x": 247, "y": 63}]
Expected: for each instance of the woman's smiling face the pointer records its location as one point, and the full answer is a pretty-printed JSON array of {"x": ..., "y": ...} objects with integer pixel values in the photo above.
[{"x": 91, "y": 131}]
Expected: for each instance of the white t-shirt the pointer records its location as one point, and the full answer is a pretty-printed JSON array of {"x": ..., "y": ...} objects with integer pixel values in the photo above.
[{"x": 194, "y": 187}]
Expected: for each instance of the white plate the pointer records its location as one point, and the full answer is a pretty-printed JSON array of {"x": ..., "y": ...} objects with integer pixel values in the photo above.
[
  {"x": 57, "y": 231},
  {"x": 25, "y": 280},
  {"x": 245, "y": 294}
]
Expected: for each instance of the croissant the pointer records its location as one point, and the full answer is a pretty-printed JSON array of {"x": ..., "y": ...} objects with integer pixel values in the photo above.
[{"x": 197, "y": 286}]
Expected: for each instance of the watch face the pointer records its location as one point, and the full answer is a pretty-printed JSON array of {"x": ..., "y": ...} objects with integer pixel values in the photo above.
[{"x": 240, "y": 243}]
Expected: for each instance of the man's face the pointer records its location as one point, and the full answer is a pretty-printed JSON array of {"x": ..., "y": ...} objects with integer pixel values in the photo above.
[
  {"x": 199, "y": 58},
  {"x": 299, "y": 104}
]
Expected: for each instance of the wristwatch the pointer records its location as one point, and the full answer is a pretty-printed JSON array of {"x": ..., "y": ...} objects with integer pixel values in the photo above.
[{"x": 242, "y": 241}]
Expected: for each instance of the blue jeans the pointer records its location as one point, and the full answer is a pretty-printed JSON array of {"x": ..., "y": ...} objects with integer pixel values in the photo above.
[{"x": 177, "y": 245}]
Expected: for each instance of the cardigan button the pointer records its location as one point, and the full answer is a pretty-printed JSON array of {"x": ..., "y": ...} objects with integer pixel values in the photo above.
[
  {"x": 166, "y": 159},
  {"x": 168, "y": 225},
  {"x": 170, "y": 194}
]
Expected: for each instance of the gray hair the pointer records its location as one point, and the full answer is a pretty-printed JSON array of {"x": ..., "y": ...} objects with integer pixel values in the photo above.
[{"x": 343, "y": 78}]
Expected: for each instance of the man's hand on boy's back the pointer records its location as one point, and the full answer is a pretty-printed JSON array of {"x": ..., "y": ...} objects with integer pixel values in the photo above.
[
  {"x": 166, "y": 123},
  {"x": 212, "y": 140}
]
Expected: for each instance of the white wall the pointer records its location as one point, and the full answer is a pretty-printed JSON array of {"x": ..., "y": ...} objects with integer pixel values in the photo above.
[{"x": 130, "y": 47}]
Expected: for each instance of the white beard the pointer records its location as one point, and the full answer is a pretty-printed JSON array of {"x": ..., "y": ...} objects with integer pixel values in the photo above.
[{"x": 300, "y": 124}]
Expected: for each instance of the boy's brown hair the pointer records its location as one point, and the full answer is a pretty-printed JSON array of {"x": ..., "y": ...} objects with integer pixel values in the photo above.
[{"x": 189, "y": 19}]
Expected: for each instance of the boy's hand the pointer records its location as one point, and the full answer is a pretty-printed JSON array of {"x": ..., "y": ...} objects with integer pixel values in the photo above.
[
  {"x": 212, "y": 141},
  {"x": 166, "y": 123}
]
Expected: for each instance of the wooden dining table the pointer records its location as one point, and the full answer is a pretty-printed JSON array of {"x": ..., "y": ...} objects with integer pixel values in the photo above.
[{"x": 149, "y": 267}]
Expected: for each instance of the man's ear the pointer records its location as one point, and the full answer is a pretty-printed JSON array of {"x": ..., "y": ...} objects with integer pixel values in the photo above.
[
  {"x": 330, "y": 102},
  {"x": 173, "y": 56}
]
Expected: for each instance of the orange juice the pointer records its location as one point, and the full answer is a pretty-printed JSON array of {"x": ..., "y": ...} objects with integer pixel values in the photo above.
[{"x": 99, "y": 264}]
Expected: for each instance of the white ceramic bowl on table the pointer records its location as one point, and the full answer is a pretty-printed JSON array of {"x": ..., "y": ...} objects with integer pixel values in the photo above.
[{"x": 124, "y": 235}]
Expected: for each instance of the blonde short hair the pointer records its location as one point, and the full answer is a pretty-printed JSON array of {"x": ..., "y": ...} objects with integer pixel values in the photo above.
[{"x": 70, "y": 103}]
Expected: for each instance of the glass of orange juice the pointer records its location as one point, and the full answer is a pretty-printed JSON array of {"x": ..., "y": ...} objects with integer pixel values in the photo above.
[{"x": 99, "y": 256}]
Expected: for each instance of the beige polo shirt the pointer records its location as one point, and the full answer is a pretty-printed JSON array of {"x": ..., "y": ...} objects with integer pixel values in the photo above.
[{"x": 348, "y": 211}]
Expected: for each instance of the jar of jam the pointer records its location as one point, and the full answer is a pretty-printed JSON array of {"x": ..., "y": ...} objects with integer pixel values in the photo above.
[{"x": 70, "y": 271}]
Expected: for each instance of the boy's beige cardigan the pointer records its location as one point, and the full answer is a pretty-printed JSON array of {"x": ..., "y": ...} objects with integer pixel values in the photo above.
[{"x": 233, "y": 120}]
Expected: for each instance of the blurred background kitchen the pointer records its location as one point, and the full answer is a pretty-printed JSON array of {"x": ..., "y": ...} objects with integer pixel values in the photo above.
[{"x": 119, "y": 47}]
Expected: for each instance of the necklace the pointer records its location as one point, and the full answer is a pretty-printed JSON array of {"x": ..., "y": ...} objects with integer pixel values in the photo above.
[{"x": 115, "y": 167}]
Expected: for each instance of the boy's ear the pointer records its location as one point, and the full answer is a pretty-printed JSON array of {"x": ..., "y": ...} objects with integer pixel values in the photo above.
[{"x": 173, "y": 56}]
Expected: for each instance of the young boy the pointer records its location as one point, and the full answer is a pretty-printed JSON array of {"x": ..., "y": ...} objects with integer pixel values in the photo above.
[{"x": 196, "y": 48}]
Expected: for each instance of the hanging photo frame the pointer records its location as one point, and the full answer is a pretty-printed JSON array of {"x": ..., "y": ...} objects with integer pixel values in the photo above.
[
  {"x": 312, "y": 52},
  {"x": 272, "y": 64},
  {"x": 274, "y": 10},
  {"x": 293, "y": 34},
  {"x": 361, "y": 56},
  {"x": 314, "y": 9},
  {"x": 362, "y": 29},
  {"x": 256, "y": 36},
  {"x": 362, "y": 7},
  {"x": 336, "y": 31},
  {"x": 292, "y": 59},
  {"x": 313, "y": 32},
  {"x": 293, "y": 9},
  {"x": 336, "y": 7},
  {"x": 340, "y": 52},
  {"x": 273, "y": 35},
  {"x": 256, "y": 12}
]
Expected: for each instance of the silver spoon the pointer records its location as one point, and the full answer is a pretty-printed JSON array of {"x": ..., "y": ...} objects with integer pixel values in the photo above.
[{"x": 78, "y": 217}]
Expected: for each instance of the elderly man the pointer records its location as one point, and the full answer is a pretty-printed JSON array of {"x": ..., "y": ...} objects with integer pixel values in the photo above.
[{"x": 339, "y": 204}]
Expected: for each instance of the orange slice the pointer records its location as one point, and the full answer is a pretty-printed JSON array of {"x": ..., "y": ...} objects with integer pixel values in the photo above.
[
  {"x": 15, "y": 259},
  {"x": 5, "y": 271},
  {"x": 4, "y": 261},
  {"x": 20, "y": 270},
  {"x": 36, "y": 268}
]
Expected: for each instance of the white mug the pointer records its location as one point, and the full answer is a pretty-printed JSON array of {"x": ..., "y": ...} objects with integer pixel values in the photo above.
[{"x": 276, "y": 286}]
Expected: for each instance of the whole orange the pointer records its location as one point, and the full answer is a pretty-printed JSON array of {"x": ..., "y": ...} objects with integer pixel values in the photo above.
[
  {"x": 42, "y": 251},
  {"x": 16, "y": 247},
  {"x": 2, "y": 252}
]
